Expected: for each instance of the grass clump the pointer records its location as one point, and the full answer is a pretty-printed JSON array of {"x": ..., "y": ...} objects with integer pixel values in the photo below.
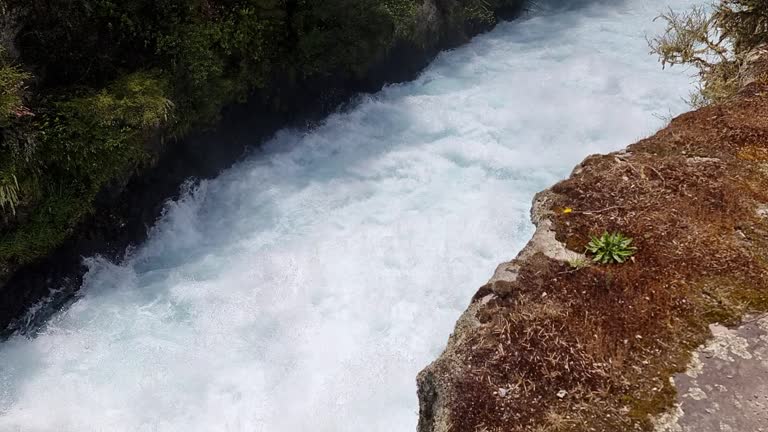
[
  {"x": 611, "y": 248},
  {"x": 9, "y": 193},
  {"x": 12, "y": 108},
  {"x": 83, "y": 143},
  {"x": 11, "y": 92},
  {"x": 578, "y": 263}
]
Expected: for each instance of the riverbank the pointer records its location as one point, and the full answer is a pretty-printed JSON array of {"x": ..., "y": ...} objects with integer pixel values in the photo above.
[{"x": 553, "y": 344}]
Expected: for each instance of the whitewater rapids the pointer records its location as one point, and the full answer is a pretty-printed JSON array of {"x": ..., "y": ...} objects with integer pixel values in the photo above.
[{"x": 304, "y": 288}]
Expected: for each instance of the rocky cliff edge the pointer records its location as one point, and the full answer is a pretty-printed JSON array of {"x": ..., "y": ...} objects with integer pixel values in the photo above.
[{"x": 555, "y": 343}]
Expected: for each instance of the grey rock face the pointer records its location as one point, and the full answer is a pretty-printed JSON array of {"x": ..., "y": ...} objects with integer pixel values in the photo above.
[{"x": 726, "y": 386}]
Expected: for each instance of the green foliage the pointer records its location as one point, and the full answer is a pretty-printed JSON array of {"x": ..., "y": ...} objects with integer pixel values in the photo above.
[
  {"x": 484, "y": 11},
  {"x": 611, "y": 248},
  {"x": 219, "y": 57},
  {"x": 84, "y": 143},
  {"x": 137, "y": 101},
  {"x": 403, "y": 13},
  {"x": 11, "y": 88},
  {"x": 11, "y": 109},
  {"x": 11, "y": 91},
  {"x": 9, "y": 193},
  {"x": 49, "y": 225},
  {"x": 112, "y": 73},
  {"x": 341, "y": 34},
  {"x": 257, "y": 40},
  {"x": 578, "y": 263},
  {"x": 85, "y": 41},
  {"x": 714, "y": 40},
  {"x": 217, "y": 51},
  {"x": 478, "y": 10},
  {"x": 91, "y": 137}
]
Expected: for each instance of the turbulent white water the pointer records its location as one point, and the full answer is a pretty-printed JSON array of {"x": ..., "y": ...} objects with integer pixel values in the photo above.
[{"x": 303, "y": 289}]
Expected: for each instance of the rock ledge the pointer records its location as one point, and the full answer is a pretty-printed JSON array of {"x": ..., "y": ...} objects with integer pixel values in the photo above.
[{"x": 549, "y": 344}]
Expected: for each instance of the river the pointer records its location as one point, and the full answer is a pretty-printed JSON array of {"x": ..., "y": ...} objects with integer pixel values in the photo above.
[{"x": 305, "y": 287}]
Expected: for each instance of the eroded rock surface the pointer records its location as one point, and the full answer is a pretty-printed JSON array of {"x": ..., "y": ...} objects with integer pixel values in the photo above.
[{"x": 726, "y": 387}]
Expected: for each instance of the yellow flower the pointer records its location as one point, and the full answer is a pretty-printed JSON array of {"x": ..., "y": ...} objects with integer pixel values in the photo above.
[{"x": 567, "y": 210}]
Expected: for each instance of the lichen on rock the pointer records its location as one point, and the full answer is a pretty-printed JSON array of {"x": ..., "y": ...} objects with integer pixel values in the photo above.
[{"x": 726, "y": 386}]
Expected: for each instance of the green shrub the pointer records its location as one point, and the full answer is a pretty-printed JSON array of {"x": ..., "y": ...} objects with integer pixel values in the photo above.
[
  {"x": 478, "y": 10},
  {"x": 12, "y": 108},
  {"x": 84, "y": 142},
  {"x": 578, "y": 263},
  {"x": 341, "y": 35},
  {"x": 48, "y": 226},
  {"x": 11, "y": 91},
  {"x": 114, "y": 72},
  {"x": 403, "y": 13},
  {"x": 9, "y": 193},
  {"x": 611, "y": 248}
]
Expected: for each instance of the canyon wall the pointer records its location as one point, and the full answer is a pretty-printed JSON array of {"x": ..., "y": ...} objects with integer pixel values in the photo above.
[{"x": 42, "y": 242}]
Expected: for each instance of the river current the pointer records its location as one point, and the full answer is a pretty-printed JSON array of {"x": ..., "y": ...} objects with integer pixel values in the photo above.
[{"x": 304, "y": 288}]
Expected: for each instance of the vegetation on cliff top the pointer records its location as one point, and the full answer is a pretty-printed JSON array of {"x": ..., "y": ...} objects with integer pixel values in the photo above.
[
  {"x": 611, "y": 248},
  {"x": 91, "y": 81},
  {"x": 716, "y": 41}
]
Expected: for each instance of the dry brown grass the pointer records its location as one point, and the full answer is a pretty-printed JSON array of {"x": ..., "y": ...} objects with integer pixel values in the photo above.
[{"x": 592, "y": 349}]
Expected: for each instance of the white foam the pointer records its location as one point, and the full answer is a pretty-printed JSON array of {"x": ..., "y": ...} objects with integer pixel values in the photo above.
[{"x": 303, "y": 289}]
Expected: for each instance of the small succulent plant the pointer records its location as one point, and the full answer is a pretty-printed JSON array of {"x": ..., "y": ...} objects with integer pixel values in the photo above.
[{"x": 611, "y": 248}]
